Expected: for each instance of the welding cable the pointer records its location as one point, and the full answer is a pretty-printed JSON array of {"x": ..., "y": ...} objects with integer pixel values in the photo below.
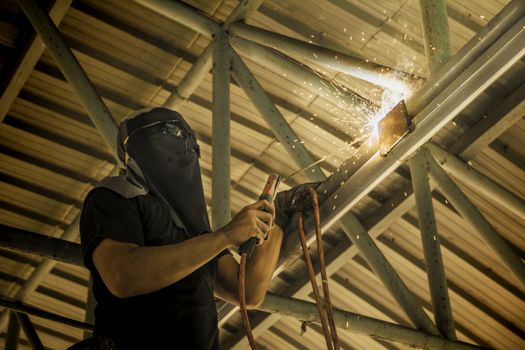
[
  {"x": 242, "y": 301},
  {"x": 315, "y": 288},
  {"x": 322, "y": 267}
]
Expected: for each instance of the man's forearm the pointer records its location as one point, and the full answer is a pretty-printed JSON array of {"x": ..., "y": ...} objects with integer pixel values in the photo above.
[
  {"x": 261, "y": 266},
  {"x": 140, "y": 270}
]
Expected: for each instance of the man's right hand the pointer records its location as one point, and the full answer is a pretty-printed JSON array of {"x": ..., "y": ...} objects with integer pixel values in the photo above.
[{"x": 254, "y": 220}]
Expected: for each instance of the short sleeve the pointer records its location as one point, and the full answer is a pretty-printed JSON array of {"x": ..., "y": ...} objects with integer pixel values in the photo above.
[{"x": 106, "y": 214}]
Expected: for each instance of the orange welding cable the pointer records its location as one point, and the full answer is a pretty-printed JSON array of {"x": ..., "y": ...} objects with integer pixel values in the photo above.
[
  {"x": 242, "y": 302},
  {"x": 315, "y": 288},
  {"x": 322, "y": 267}
]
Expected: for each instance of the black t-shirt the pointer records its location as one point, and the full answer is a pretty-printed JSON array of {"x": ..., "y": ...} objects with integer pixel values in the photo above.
[{"x": 180, "y": 316}]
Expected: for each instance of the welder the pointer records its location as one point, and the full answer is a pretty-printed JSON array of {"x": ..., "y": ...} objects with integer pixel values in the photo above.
[{"x": 156, "y": 264}]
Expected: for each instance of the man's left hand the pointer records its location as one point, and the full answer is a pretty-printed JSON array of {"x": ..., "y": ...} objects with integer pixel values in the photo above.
[{"x": 286, "y": 202}]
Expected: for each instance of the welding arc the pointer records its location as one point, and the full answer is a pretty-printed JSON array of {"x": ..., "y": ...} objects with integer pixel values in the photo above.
[
  {"x": 330, "y": 335},
  {"x": 242, "y": 301}
]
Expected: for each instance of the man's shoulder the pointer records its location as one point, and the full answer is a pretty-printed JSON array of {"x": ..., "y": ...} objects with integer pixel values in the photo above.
[
  {"x": 109, "y": 200},
  {"x": 122, "y": 186},
  {"x": 102, "y": 194},
  {"x": 105, "y": 200}
]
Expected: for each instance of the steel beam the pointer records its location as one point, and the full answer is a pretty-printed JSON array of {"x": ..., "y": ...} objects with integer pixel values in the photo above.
[
  {"x": 474, "y": 48},
  {"x": 192, "y": 79},
  {"x": 24, "y": 67},
  {"x": 273, "y": 117},
  {"x": 359, "y": 324},
  {"x": 19, "y": 308},
  {"x": 245, "y": 9},
  {"x": 428, "y": 122},
  {"x": 347, "y": 100},
  {"x": 183, "y": 14},
  {"x": 45, "y": 246},
  {"x": 473, "y": 216},
  {"x": 349, "y": 222},
  {"x": 431, "y": 247},
  {"x": 46, "y": 265},
  {"x": 377, "y": 74},
  {"x": 203, "y": 25},
  {"x": 366, "y": 245},
  {"x": 444, "y": 76},
  {"x": 13, "y": 332},
  {"x": 73, "y": 72},
  {"x": 495, "y": 124},
  {"x": 506, "y": 114},
  {"x": 38, "y": 274},
  {"x": 220, "y": 181},
  {"x": 434, "y": 20},
  {"x": 30, "y": 332},
  {"x": 462, "y": 171},
  {"x": 98, "y": 112},
  {"x": 507, "y": 50}
]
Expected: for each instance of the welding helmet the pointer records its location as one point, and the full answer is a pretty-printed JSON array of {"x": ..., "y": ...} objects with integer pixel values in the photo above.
[{"x": 161, "y": 156}]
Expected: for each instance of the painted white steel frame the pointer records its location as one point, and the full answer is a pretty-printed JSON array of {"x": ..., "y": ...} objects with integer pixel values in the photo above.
[
  {"x": 221, "y": 149},
  {"x": 431, "y": 247},
  {"x": 349, "y": 223}
]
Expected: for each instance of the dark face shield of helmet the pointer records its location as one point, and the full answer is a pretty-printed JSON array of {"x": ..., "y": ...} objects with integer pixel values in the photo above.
[{"x": 167, "y": 154}]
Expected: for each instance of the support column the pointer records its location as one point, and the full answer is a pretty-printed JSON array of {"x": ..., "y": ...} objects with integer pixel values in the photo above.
[
  {"x": 431, "y": 246},
  {"x": 461, "y": 170},
  {"x": 220, "y": 185},
  {"x": 473, "y": 216},
  {"x": 13, "y": 332},
  {"x": 434, "y": 19},
  {"x": 73, "y": 72},
  {"x": 386, "y": 273},
  {"x": 30, "y": 332},
  {"x": 304, "y": 310}
]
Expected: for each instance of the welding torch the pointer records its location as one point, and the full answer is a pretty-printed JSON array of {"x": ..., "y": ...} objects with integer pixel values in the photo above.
[
  {"x": 246, "y": 250},
  {"x": 268, "y": 194}
]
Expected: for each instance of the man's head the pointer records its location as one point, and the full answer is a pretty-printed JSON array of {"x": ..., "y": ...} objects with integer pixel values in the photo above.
[
  {"x": 161, "y": 153},
  {"x": 154, "y": 132}
]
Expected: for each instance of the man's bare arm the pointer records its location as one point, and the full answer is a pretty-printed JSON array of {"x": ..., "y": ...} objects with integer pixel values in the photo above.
[{"x": 129, "y": 270}]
